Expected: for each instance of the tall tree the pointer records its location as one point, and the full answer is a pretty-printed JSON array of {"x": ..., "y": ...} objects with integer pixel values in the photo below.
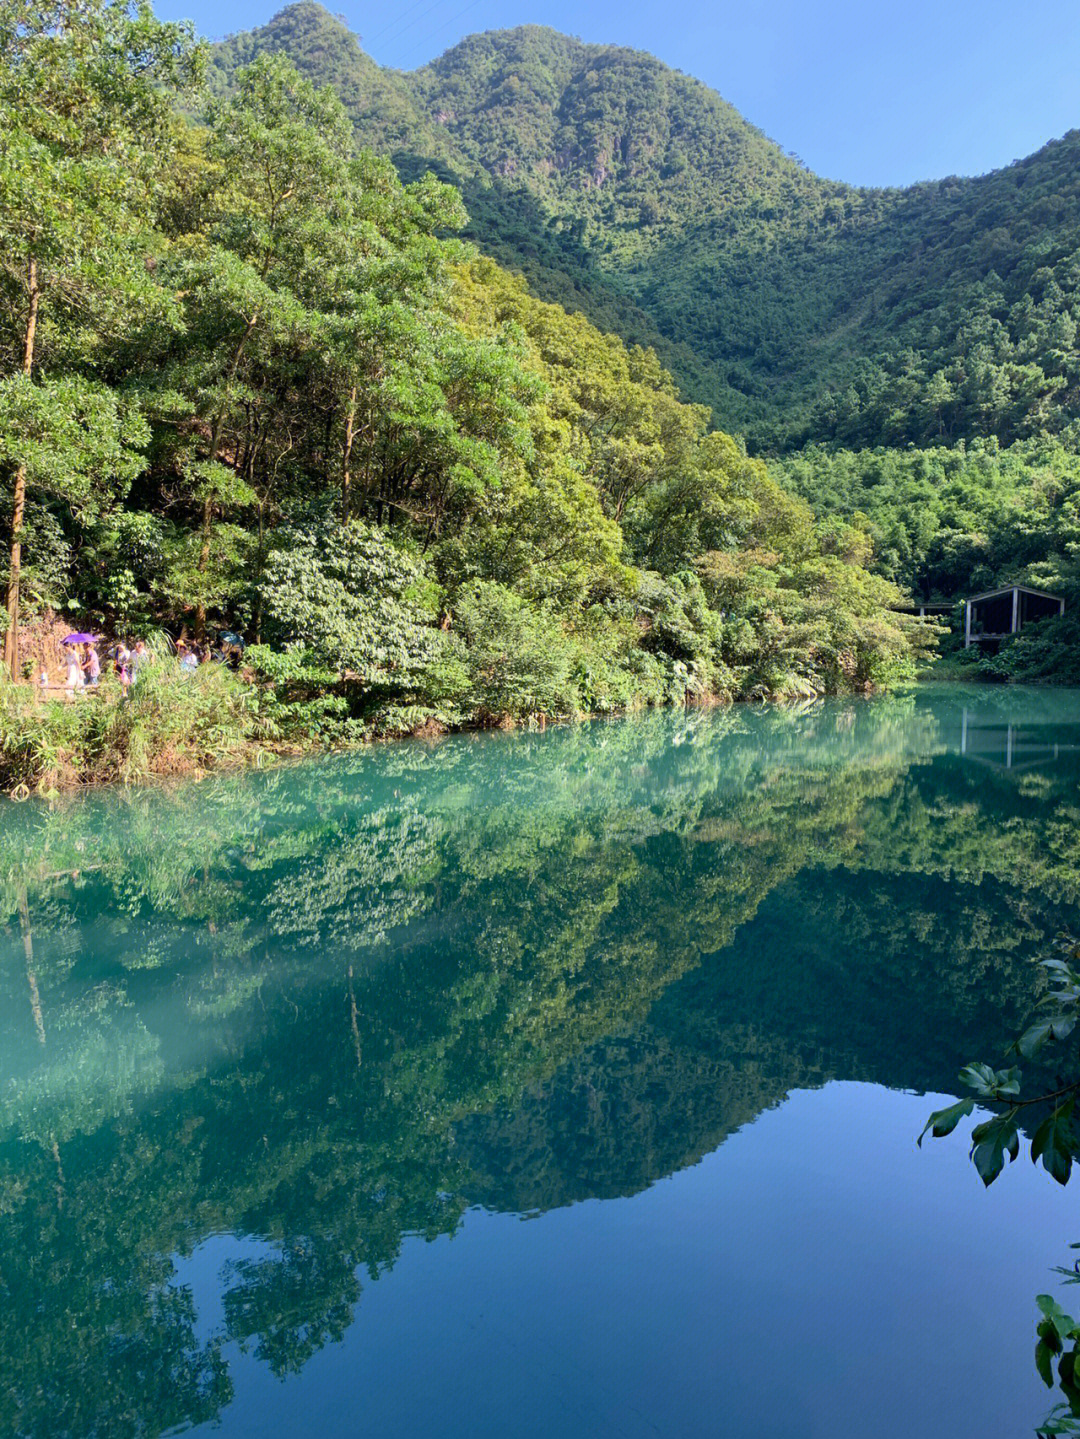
[{"x": 84, "y": 112}]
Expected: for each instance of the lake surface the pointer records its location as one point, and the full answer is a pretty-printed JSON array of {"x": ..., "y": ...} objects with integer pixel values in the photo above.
[{"x": 554, "y": 1085}]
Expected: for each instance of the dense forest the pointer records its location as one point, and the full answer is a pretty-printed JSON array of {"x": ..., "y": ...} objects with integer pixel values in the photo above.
[
  {"x": 905, "y": 360},
  {"x": 799, "y": 308},
  {"x": 254, "y": 382}
]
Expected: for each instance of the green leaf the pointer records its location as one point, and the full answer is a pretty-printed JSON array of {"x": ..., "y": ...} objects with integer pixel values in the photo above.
[
  {"x": 991, "y": 1083},
  {"x": 1058, "y": 1026},
  {"x": 991, "y": 1141},
  {"x": 1064, "y": 1325},
  {"x": 979, "y": 1077},
  {"x": 1044, "y": 1363},
  {"x": 1057, "y": 1423},
  {"x": 944, "y": 1121},
  {"x": 1048, "y": 1334},
  {"x": 1067, "y": 1377},
  {"x": 1055, "y": 1143}
]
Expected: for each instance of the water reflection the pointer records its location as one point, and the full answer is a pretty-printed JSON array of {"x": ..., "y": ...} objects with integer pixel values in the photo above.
[
  {"x": 1001, "y": 744},
  {"x": 335, "y": 1005}
]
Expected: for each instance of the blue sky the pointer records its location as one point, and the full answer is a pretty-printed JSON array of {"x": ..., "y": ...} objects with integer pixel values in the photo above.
[{"x": 873, "y": 93}]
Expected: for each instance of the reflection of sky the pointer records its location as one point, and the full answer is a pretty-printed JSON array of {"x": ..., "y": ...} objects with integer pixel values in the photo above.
[{"x": 817, "y": 1277}]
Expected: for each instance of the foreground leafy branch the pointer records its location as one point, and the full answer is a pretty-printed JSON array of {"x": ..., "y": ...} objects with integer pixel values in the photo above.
[{"x": 1056, "y": 1143}]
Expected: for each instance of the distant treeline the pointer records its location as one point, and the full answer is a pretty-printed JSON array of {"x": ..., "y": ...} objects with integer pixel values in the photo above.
[{"x": 949, "y": 522}]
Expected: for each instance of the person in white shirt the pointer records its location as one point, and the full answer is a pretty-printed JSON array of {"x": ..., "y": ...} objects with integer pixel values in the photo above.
[{"x": 74, "y": 682}]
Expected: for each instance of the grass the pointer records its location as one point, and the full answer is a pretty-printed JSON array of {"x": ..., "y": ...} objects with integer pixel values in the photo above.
[{"x": 170, "y": 723}]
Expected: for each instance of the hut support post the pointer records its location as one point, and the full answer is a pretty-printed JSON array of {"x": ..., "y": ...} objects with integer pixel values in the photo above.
[{"x": 1016, "y": 611}]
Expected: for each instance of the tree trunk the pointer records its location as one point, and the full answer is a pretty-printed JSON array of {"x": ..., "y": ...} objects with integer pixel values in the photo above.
[
  {"x": 346, "y": 461},
  {"x": 354, "y": 1023},
  {"x": 260, "y": 565},
  {"x": 204, "y": 560},
  {"x": 31, "y": 973},
  {"x": 11, "y": 639},
  {"x": 215, "y": 449}
]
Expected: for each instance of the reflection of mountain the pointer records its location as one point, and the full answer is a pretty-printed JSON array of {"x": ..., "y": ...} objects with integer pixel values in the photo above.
[
  {"x": 841, "y": 975},
  {"x": 336, "y": 1004}
]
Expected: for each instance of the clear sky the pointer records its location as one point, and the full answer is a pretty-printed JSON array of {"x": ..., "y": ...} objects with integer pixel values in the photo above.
[{"x": 875, "y": 92}]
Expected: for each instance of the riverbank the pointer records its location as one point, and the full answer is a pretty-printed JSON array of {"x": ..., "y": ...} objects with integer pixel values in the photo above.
[
  {"x": 179, "y": 725},
  {"x": 167, "y": 725},
  {"x": 176, "y": 724}
]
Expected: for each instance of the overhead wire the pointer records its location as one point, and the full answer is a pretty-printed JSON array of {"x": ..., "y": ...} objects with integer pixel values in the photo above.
[
  {"x": 452, "y": 21},
  {"x": 396, "y": 21},
  {"x": 391, "y": 29}
]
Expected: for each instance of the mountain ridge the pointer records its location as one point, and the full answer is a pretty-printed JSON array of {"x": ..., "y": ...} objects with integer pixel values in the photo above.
[{"x": 799, "y": 308}]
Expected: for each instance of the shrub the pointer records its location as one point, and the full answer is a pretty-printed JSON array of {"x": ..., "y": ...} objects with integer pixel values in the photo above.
[
  {"x": 172, "y": 723},
  {"x": 520, "y": 660},
  {"x": 352, "y": 602},
  {"x": 1048, "y": 652}
]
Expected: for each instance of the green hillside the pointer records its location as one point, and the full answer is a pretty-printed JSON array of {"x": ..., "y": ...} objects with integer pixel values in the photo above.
[
  {"x": 254, "y": 389},
  {"x": 799, "y": 308}
]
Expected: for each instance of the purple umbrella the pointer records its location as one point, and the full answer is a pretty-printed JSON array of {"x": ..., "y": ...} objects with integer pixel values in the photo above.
[{"x": 81, "y": 639}]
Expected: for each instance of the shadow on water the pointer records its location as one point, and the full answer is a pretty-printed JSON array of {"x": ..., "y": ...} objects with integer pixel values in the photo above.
[{"x": 338, "y": 1004}]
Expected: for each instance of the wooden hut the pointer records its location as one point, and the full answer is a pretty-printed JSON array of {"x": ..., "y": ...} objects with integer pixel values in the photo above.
[
  {"x": 996, "y": 614},
  {"x": 939, "y": 610}
]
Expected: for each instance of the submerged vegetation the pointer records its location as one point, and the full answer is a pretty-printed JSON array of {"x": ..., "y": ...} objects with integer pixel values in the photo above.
[{"x": 252, "y": 382}]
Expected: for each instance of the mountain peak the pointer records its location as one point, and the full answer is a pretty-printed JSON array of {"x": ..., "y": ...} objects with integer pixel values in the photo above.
[
  {"x": 303, "y": 20},
  {"x": 797, "y": 307}
]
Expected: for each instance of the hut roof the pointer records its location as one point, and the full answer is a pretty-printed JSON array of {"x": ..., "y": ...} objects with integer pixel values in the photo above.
[{"x": 1008, "y": 589}]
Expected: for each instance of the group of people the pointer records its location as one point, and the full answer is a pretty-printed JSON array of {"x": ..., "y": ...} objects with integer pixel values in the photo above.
[
  {"x": 84, "y": 663},
  {"x": 83, "y": 667}
]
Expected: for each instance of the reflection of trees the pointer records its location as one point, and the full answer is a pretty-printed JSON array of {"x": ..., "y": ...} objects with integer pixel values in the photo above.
[
  {"x": 293, "y": 1302},
  {"x": 330, "y": 1005},
  {"x": 96, "y": 1338},
  {"x": 840, "y": 975}
]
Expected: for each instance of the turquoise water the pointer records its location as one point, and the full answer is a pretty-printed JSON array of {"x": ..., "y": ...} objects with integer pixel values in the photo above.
[{"x": 537, "y": 1085}]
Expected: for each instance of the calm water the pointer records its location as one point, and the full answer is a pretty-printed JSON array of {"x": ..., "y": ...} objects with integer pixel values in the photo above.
[{"x": 560, "y": 1085}]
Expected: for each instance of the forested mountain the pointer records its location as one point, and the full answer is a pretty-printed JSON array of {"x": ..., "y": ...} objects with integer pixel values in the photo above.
[
  {"x": 252, "y": 385},
  {"x": 799, "y": 308}
]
